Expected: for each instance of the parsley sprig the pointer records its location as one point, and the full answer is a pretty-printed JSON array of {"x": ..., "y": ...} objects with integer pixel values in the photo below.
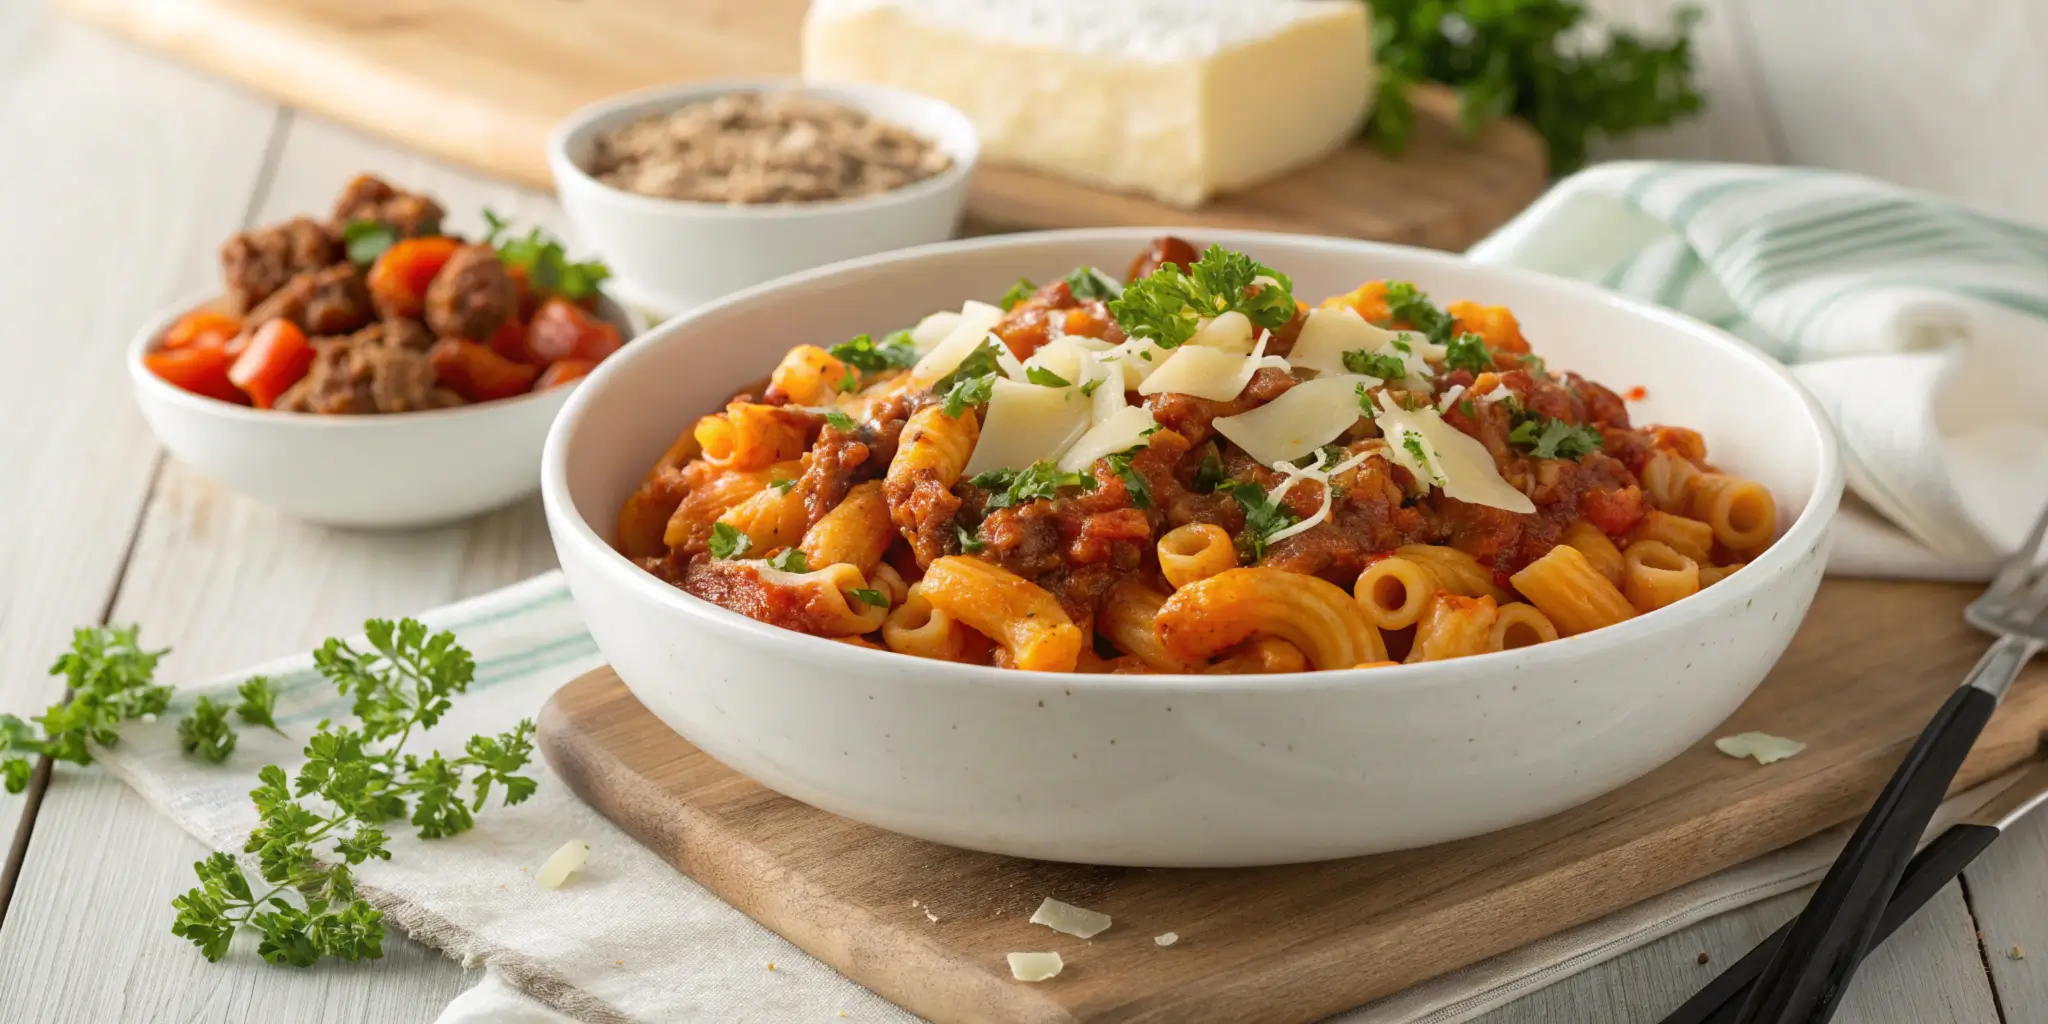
[
  {"x": 315, "y": 828},
  {"x": 1040, "y": 480},
  {"x": 1410, "y": 305},
  {"x": 109, "y": 679},
  {"x": 864, "y": 353},
  {"x": 1514, "y": 57},
  {"x": 1547, "y": 437},
  {"x": 973, "y": 382},
  {"x": 1468, "y": 351},
  {"x": 541, "y": 257},
  {"x": 1167, "y": 306},
  {"x": 1385, "y": 366}
]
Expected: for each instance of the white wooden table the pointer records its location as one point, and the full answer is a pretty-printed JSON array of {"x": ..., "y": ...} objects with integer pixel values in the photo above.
[{"x": 119, "y": 175}]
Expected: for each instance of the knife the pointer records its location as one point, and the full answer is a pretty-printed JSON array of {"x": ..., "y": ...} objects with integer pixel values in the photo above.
[{"x": 1937, "y": 864}]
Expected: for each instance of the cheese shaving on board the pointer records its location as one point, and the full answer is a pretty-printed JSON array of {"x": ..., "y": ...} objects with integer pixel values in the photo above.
[
  {"x": 1306, "y": 417},
  {"x": 1442, "y": 456},
  {"x": 1027, "y": 422},
  {"x": 1762, "y": 746},
  {"x": 1067, "y": 919},
  {"x": 563, "y": 863},
  {"x": 1035, "y": 966}
]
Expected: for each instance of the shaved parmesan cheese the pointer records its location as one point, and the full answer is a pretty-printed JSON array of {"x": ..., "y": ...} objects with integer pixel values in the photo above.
[
  {"x": 1035, "y": 966},
  {"x": 1322, "y": 476},
  {"x": 1450, "y": 398},
  {"x": 1442, "y": 455},
  {"x": 1167, "y": 939},
  {"x": 1411, "y": 350},
  {"x": 1760, "y": 745},
  {"x": 1329, "y": 333},
  {"x": 1231, "y": 332},
  {"x": 1125, "y": 429},
  {"x": 976, "y": 318},
  {"x": 1067, "y": 919},
  {"x": 1500, "y": 393},
  {"x": 1201, "y": 372},
  {"x": 933, "y": 329},
  {"x": 1063, "y": 355},
  {"x": 562, "y": 864},
  {"x": 1310, "y": 415},
  {"x": 1138, "y": 357},
  {"x": 1026, "y": 423}
]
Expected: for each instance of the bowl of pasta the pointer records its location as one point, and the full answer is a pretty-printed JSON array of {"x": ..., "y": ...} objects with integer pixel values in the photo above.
[{"x": 1101, "y": 546}]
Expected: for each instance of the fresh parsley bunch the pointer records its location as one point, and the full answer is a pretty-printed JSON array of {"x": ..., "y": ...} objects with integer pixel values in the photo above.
[
  {"x": 542, "y": 259},
  {"x": 1168, "y": 306},
  {"x": 331, "y": 817},
  {"x": 1525, "y": 58},
  {"x": 109, "y": 679}
]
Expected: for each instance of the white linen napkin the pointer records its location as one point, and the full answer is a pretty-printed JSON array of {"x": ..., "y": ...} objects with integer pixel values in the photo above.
[
  {"x": 631, "y": 939},
  {"x": 1914, "y": 320}
]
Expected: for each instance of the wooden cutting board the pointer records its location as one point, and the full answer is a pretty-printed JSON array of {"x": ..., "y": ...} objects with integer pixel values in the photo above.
[
  {"x": 482, "y": 82},
  {"x": 1292, "y": 944}
]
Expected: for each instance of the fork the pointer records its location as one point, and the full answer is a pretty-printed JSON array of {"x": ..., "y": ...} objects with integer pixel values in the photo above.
[{"x": 1806, "y": 977}]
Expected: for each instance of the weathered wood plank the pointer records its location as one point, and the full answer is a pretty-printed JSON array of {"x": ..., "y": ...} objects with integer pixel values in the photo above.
[
  {"x": 119, "y": 173},
  {"x": 231, "y": 583},
  {"x": 2009, "y": 894}
]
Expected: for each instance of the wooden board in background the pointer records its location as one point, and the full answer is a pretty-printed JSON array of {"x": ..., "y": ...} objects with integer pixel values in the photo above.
[
  {"x": 1297, "y": 943},
  {"x": 482, "y": 82}
]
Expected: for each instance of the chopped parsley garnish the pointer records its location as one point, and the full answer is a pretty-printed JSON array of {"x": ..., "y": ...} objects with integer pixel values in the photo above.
[
  {"x": 1534, "y": 364},
  {"x": 1365, "y": 405},
  {"x": 1044, "y": 377},
  {"x": 894, "y": 352},
  {"x": 1018, "y": 293},
  {"x": 850, "y": 381},
  {"x": 840, "y": 421},
  {"x": 970, "y": 383},
  {"x": 791, "y": 560},
  {"x": 1549, "y": 438},
  {"x": 1471, "y": 411},
  {"x": 1040, "y": 480},
  {"x": 1468, "y": 351},
  {"x": 1413, "y": 443},
  {"x": 871, "y": 597},
  {"x": 1385, "y": 367},
  {"x": 1168, "y": 306},
  {"x": 969, "y": 543},
  {"x": 1209, "y": 475},
  {"x": 1088, "y": 389},
  {"x": 782, "y": 486},
  {"x": 366, "y": 240},
  {"x": 1408, "y": 304},
  {"x": 1089, "y": 283},
  {"x": 1134, "y": 482},
  {"x": 541, "y": 258},
  {"x": 727, "y": 541},
  {"x": 1263, "y": 517}
]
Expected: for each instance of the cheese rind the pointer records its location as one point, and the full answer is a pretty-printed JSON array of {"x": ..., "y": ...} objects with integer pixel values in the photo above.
[{"x": 1177, "y": 100}]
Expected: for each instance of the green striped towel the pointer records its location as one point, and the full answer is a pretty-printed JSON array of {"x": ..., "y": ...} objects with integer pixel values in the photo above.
[{"x": 1918, "y": 323}]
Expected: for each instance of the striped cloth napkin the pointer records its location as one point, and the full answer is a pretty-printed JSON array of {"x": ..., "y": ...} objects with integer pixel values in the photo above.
[{"x": 1913, "y": 319}]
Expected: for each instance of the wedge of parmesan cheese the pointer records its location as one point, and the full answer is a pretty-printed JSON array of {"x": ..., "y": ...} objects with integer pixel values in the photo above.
[
  {"x": 1027, "y": 422},
  {"x": 1306, "y": 417},
  {"x": 1442, "y": 456},
  {"x": 1177, "y": 99}
]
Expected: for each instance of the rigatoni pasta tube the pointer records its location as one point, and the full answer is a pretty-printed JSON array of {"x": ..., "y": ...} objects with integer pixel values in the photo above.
[
  {"x": 1261, "y": 655},
  {"x": 716, "y": 492},
  {"x": 1689, "y": 537},
  {"x": 1315, "y": 615},
  {"x": 1741, "y": 512},
  {"x": 1712, "y": 574},
  {"x": 1571, "y": 593},
  {"x": 829, "y": 605},
  {"x": 808, "y": 375},
  {"x": 1394, "y": 591},
  {"x": 1453, "y": 626},
  {"x": 1657, "y": 575},
  {"x": 857, "y": 530},
  {"x": 1668, "y": 480},
  {"x": 1127, "y": 616},
  {"x": 1456, "y": 571},
  {"x": 1016, "y": 613},
  {"x": 771, "y": 519},
  {"x": 916, "y": 628},
  {"x": 749, "y": 436},
  {"x": 1519, "y": 624},
  {"x": 1598, "y": 548},
  {"x": 1193, "y": 552}
]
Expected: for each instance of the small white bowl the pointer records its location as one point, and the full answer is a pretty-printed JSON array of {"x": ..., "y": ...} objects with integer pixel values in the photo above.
[
  {"x": 1189, "y": 771},
  {"x": 386, "y": 471},
  {"x": 670, "y": 255}
]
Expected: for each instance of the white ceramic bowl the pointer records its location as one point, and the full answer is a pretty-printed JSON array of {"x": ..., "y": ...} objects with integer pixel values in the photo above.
[
  {"x": 1189, "y": 770},
  {"x": 385, "y": 471},
  {"x": 668, "y": 255}
]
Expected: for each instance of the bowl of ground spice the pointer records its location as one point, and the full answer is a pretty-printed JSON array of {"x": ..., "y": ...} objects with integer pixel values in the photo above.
[{"x": 699, "y": 190}]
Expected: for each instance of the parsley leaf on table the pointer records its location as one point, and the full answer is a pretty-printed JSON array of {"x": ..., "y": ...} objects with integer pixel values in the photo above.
[
  {"x": 109, "y": 679},
  {"x": 205, "y": 733},
  {"x": 258, "y": 705},
  {"x": 314, "y": 828},
  {"x": 1167, "y": 306},
  {"x": 1517, "y": 57}
]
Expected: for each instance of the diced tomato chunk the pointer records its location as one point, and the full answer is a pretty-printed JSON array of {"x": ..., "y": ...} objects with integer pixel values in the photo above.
[
  {"x": 398, "y": 280},
  {"x": 477, "y": 373},
  {"x": 563, "y": 371},
  {"x": 563, "y": 330},
  {"x": 1614, "y": 512},
  {"x": 276, "y": 356},
  {"x": 510, "y": 342},
  {"x": 202, "y": 327},
  {"x": 200, "y": 369}
]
